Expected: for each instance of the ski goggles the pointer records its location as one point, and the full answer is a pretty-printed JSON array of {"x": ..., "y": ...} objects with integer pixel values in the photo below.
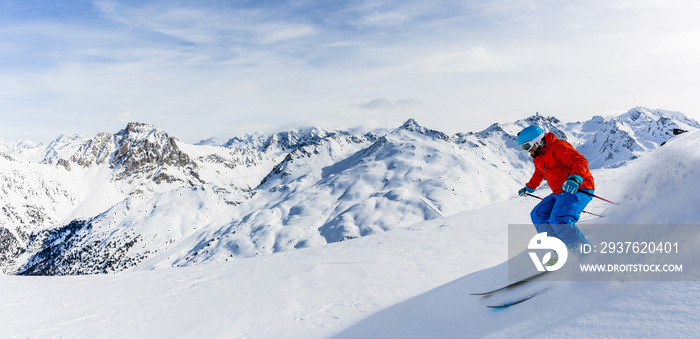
[{"x": 526, "y": 146}]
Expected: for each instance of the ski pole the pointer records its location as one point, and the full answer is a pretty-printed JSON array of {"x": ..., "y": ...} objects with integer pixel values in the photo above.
[
  {"x": 534, "y": 196},
  {"x": 595, "y": 196}
]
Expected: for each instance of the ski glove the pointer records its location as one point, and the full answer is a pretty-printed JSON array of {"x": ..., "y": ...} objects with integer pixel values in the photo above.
[
  {"x": 571, "y": 185},
  {"x": 524, "y": 190}
]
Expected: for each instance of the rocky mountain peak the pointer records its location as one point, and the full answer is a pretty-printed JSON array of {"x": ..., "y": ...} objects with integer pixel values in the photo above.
[
  {"x": 145, "y": 151},
  {"x": 137, "y": 131},
  {"x": 412, "y": 126},
  {"x": 94, "y": 151},
  {"x": 138, "y": 151}
]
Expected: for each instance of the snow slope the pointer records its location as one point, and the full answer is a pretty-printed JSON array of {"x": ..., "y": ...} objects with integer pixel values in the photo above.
[
  {"x": 310, "y": 292},
  {"x": 412, "y": 282},
  {"x": 658, "y": 188}
]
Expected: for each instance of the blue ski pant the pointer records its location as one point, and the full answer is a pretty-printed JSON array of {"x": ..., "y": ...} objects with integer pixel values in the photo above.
[{"x": 557, "y": 215}]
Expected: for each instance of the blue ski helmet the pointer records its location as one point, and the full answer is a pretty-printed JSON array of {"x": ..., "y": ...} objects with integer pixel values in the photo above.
[{"x": 530, "y": 136}]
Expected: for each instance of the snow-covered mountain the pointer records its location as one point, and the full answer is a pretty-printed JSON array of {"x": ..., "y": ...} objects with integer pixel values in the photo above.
[
  {"x": 614, "y": 141},
  {"x": 141, "y": 199},
  {"x": 412, "y": 282}
]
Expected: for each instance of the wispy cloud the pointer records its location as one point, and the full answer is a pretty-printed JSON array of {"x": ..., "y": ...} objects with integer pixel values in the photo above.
[
  {"x": 189, "y": 24},
  {"x": 208, "y": 25},
  {"x": 385, "y": 104},
  {"x": 279, "y": 34}
]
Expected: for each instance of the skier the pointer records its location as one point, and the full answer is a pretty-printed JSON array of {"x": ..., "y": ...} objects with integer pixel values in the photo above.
[{"x": 566, "y": 171}]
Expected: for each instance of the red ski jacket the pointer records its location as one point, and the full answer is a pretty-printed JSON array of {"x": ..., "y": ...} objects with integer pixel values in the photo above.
[{"x": 556, "y": 162}]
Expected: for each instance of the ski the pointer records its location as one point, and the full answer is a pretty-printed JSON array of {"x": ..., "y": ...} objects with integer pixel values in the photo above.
[
  {"x": 508, "y": 285},
  {"x": 510, "y": 303},
  {"x": 517, "y": 300}
]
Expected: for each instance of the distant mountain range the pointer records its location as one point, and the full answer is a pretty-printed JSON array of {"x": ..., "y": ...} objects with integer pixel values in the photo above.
[{"x": 141, "y": 199}]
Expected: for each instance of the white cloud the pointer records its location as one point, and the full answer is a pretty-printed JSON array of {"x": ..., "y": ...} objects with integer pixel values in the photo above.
[
  {"x": 287, "y": 33},
  {"x": 385, "y": 104}
]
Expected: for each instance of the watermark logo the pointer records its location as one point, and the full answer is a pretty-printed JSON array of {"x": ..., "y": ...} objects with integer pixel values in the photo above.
[
  {"x": 615, "y": 252},
  {"x": 542, "y": 242}
]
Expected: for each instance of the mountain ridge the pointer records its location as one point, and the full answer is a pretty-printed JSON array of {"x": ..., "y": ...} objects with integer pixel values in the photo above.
[{"x": 262, "y": 193}]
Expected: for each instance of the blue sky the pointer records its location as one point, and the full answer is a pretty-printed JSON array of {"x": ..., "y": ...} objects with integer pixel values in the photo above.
[{"x": 200, "y": 69}]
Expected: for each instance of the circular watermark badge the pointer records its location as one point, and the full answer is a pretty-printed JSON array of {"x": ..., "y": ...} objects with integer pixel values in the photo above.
[{"x": 548, "y": 262}]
